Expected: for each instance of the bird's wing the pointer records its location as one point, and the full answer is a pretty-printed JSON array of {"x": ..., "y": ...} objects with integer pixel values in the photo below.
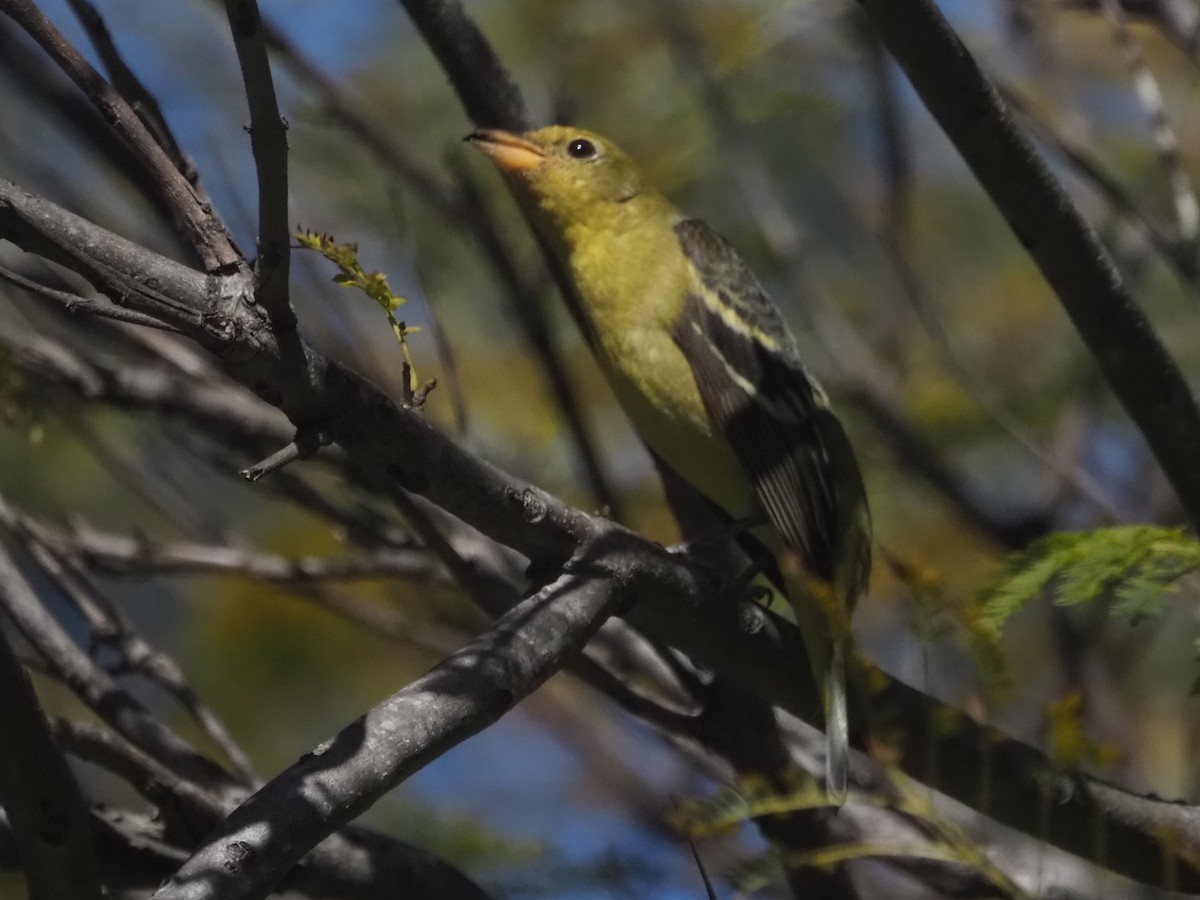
[{"x": 772, "y": 412}]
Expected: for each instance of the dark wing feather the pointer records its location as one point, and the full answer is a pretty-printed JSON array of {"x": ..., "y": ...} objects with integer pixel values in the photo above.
[{"x": 774, "y": 415}]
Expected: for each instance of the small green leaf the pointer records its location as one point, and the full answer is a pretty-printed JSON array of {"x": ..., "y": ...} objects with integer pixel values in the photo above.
[{"x": 373, "y": 284}]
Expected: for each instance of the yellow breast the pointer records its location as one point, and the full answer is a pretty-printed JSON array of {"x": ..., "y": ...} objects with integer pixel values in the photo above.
[{"x": 633, "y": 287}]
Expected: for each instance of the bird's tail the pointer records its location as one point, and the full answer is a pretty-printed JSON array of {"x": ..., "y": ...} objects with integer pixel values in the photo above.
[
  {"x": 837, "y": 727},
  {"x": 825, "y": 626}
]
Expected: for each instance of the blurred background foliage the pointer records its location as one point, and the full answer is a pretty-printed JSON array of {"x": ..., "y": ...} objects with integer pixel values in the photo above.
[{"x": 975, "y": 353}]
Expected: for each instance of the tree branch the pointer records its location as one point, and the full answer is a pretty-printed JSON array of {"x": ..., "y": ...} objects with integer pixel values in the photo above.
[
  {"x": 488, "y": 93},
  {"x": 465, "y": 210},
  {"x": 107, "y": 625},
  {"x": 258, "y": 844},
  {"x": 197, "y": 222},
  {"x": 73, "y": 302},
  {"x": 354, "y": 864},
  {"x": 390, "y": 444},
  {"x": 96, "y": 689},
  {"x": 268, "y": 140},
  {"x": 1178, "y": 254},
  {"x": 58, "y": 101},
  {"x": 138, "y": 555},
  {"x": 1137, "y": 366},
  {"x": 140, "y": 100},
  {"x": 40, "y": 796}
]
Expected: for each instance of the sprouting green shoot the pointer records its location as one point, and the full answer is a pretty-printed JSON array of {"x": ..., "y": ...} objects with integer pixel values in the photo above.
[{"x": 373, "y": 284}]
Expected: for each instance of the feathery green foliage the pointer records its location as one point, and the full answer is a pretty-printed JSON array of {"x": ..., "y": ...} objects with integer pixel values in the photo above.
[{"x": 1132, "y": 565}]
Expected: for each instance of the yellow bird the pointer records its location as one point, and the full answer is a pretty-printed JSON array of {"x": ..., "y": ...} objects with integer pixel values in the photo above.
[{"x": 710, "y": 377}]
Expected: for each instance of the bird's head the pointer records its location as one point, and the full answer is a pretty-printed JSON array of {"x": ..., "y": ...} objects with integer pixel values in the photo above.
[{"x": 569, "y": 173}]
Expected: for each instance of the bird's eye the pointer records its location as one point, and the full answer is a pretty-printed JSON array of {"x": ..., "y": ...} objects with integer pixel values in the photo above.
[{"x": 581, "y": 148}]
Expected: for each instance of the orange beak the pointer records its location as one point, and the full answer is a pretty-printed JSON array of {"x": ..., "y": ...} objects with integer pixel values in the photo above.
[{"x": 510, "y": 152}]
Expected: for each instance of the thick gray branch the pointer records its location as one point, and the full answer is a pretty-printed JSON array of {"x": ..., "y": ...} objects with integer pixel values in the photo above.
[
  {"x": 351, "y": 863},
  {"x": 256, "y": 846},
  {"x": 354, "y": 863}
]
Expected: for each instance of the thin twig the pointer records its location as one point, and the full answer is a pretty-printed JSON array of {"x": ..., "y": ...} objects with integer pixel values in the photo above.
[
  {"x": 361, "y": 124},
  {"x": 617, "y": 689},
  {"x": 109, "y": 627},
  {"x": 140, "y": 555},
  {"x": 1138, "y": 368},
  {"x": 1166, "y": 141},
  {"x": 198, "y": 223},
  {"x": 140, "y": 99},
  {"x": 1180, "y": 256},
  {"x": 150, "y": 778},
  {"x": 143, "y": 474},
  {"x": 268, "y": 140},
  {"x": 896, "y": 210},
  {"x": 34, "y": 76},
  {"x": 41, "y": 799},
  {"x": 97, "y": 689},
  {"x": 95, "y": 306},
  {"x": 490, "y": 590},
  {"x": 441, "y": 339},
  {"x": 212, "y": 406}
]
